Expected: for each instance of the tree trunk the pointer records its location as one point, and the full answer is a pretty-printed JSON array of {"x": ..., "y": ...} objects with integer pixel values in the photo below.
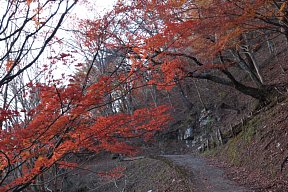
[
  {"x": 262, "y": 93},
  {"x": 154, "y": 95},
  {"x": 258, "y": 93},
  {"x": 246, "y": 67},
  {"x": 250, "y": 55},
  {"x": 183, "y": 96},
  {"x": 199, "y": 95},
  {"x": 219, "y": 136}
]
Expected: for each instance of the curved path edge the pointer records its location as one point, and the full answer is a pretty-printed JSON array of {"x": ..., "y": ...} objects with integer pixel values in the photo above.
[{"x": 201, "y": 176}]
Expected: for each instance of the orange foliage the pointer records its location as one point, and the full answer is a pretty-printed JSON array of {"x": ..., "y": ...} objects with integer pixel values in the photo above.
[
  {"x": 199, "y": 28},
  {"x": 115, "y": 173},
  {"x": 9, "y": 64},
  {"x": 64, "y": 122},
  {"x": 28, "y": 2}
]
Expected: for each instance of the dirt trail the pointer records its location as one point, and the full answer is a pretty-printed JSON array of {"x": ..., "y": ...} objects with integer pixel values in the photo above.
[{"x": 204, "y": 177}]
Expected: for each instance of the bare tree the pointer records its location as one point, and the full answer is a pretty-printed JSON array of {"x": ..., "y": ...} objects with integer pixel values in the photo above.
[{"x": 27, "y": 30}]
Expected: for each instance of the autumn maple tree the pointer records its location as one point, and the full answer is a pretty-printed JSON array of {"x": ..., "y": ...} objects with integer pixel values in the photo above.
[
  {"x": 43, "y": 122},
  {"x": 167, "y": 41}
]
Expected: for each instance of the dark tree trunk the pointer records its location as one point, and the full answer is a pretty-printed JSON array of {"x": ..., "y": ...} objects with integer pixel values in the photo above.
[
  {"x": 262, "y": 94},
  {"x": 184, "y": 98}
]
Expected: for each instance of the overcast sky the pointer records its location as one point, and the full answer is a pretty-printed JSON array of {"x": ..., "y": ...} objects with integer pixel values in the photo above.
[{"x": 99, "y": 7}]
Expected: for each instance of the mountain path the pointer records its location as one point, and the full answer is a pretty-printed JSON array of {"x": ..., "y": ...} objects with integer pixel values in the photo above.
[{"x": 202, "y": 176}]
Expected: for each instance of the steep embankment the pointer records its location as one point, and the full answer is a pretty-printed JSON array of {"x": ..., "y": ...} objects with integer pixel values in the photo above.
[{"x": 259, "y": 152}]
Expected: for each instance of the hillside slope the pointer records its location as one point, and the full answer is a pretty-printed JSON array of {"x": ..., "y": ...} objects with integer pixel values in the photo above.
[{"x": 258, "y": 154}]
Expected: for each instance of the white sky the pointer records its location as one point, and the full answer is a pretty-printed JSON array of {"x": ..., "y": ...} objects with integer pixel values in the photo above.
[
  {"x": 82, "y": 11},
  {"x": 97, "y": 8}
]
